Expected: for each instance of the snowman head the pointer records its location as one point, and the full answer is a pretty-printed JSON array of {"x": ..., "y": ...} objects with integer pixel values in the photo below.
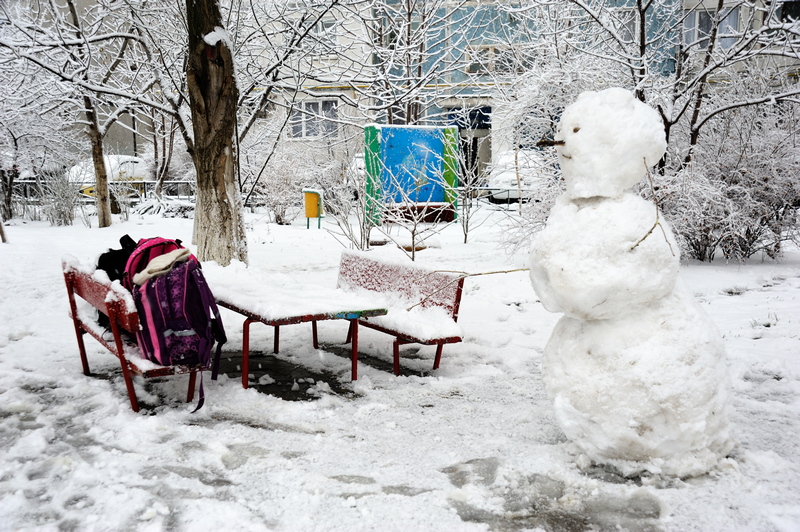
[{"x": 610, "y": 139}]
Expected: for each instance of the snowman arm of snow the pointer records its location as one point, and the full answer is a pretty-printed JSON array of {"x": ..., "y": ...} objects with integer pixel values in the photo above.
[{"x": 540, "y": 279}]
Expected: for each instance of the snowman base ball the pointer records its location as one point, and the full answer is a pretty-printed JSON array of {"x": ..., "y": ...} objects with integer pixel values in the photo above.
[{"x": 643, "y": 392}]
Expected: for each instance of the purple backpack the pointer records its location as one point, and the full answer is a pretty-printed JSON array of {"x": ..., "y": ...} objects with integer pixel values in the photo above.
[{"x": 178, "y": 316}]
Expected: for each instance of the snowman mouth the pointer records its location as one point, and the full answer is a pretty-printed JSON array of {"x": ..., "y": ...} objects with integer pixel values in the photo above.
[{"x": 560, "y": 143}]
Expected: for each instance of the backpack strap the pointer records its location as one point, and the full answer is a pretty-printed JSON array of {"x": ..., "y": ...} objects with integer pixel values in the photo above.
[
  {"x": 217, "y": 330},
  {"x": 201, "y": 396},
  {"x": 212, "y": 314},
  {"x": 152, "y": 294}
]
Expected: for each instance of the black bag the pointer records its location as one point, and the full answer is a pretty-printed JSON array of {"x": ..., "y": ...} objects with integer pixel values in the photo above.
[{"x": 113, "y": 263}]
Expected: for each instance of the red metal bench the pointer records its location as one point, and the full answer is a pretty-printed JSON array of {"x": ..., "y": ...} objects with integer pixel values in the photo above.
[
  {"x": 275, "y": 300},
  {"x": 117, "y": 303},
  {"x": 423, "y": 304}
]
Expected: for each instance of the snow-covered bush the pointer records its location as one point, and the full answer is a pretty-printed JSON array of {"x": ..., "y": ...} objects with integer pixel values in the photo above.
[
  {"x": 61, "y": 198},
  {"x": 755, "y": 153},
  {"x": 739, "y": 195},
  {"x": 345, "y": 201},
  {"x": 696, "y": 208},
  {"x": 275, "y": 180}
]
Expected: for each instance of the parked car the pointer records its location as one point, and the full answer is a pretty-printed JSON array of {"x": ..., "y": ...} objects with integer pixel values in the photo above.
[
  {"x": 514, "y": 175},
  {"x": 119, "y": 168}
]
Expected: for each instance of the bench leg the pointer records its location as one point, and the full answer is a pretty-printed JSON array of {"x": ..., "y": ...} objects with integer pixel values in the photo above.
[
  {"x": 82, "y": 348},
  {"x": 246, "y": 352},
  {"x": 314, "y": 333},
  {"x": 126, "y": 370},
  {"x": 276, "y": 343},
  {"x": 353, "y": 323},
  {"x": 79, "y": 331},
  {"x": 396, "y": 355},
  {"x": 353, "y": 335},
  {"x": 126, "y": 374},
  {"x": 438, "y": 358},
  {"x": 192, "y": 381},
  {"x": 128, "y": 378}
]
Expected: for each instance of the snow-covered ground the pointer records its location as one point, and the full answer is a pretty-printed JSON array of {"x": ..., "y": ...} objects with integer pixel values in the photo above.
[{"x": 471, "y": 446}]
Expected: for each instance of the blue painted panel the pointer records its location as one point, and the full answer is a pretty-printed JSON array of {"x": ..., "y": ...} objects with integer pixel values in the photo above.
[{"x": 413, "y": 164}]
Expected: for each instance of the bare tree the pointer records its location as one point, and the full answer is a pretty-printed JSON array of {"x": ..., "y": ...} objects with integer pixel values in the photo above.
[
  {"x": 410, "y": 50},
  {"x": 34, "y": 141},
  {"x": 701, "y": 66},
  {"x": 674, "y": 56},
  {"x": 84, "y": 48}
]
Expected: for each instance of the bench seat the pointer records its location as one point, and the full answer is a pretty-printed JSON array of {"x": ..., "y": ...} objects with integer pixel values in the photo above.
[
  {"x": 423, "y": 324},
  {"x": 422, "y": 304}
]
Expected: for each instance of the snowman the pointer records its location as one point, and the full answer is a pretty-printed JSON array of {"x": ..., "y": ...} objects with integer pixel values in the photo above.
[{"x": 635, "y": 368}]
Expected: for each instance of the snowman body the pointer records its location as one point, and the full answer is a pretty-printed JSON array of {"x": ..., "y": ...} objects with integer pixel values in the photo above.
[{"x": 635, "y": 368}]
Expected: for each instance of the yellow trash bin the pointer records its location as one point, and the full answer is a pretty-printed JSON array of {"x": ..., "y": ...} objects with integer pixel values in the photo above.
[{"x": 313, "y": 204}]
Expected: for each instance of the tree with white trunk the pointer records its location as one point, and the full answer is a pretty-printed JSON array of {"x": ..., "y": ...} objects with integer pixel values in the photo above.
[{"x": 218, "y": 225}]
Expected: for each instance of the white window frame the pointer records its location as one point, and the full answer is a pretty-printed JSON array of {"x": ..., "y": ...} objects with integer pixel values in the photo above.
[
  {"x": 697, "y": 25},
  {"x": 314, "y": 119},
  {"x": 627, "y": 25},
  {"x": 324, "y": 35}
]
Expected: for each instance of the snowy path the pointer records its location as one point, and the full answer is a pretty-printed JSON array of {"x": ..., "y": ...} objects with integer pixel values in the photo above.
[{"x": 473, "y": 446}]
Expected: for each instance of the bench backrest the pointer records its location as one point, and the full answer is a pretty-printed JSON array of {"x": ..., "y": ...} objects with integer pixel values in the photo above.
[
  {"x": 413, "y": 283},
  {"x": 110, "y": 299}
]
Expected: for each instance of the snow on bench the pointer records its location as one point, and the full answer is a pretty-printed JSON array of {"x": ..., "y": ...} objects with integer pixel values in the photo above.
[
  {"x": 423, "y": 304},
  {"x": 89, "y": 289},
  {"x": 277, "y": 299}
]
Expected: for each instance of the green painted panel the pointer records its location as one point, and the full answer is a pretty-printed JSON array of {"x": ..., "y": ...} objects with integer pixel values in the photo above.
[
  {"x": 451, "y": 165},
  {"x": 372, "y": 166}
]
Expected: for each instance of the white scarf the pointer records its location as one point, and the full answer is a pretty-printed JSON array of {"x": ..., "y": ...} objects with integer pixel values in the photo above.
[{"x": 161, "y": 265}]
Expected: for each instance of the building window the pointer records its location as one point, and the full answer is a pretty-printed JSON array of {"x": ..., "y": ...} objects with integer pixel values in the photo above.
[
  {"x": 625, "y": 24},
  {"x": 314, "y": 119},
  {"x": 486, "y": 59},
  {"x": 398, "y": 32},
  {"x": 790, "y": 11},
  {"x": 698, "y": 24},
  {"x": 324, "y": 36}
]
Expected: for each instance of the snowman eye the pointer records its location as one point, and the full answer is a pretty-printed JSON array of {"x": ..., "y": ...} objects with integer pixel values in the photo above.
[{"x": 576, "y": 129}]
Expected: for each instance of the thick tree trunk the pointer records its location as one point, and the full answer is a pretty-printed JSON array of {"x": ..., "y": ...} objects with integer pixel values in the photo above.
[
  {"x": 6, "y": 187},
  {"x": 218, "y": 226},
  {"x": 100, "y": 175}
]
